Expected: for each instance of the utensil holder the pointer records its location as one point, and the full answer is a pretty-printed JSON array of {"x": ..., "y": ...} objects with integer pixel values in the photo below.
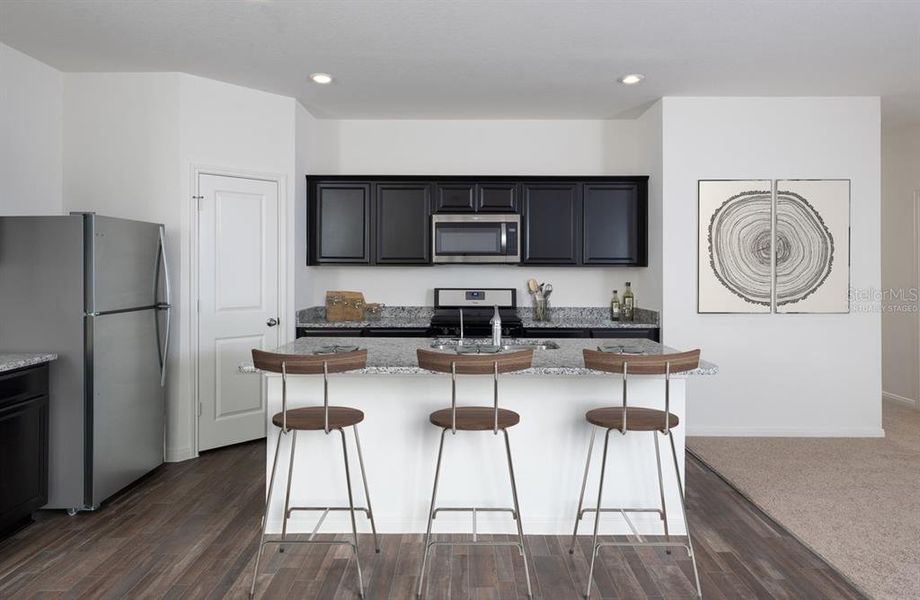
[{"x": 541, "y": 309}]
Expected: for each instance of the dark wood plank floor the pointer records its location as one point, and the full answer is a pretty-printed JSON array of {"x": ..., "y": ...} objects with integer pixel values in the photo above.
[{"x": 189, "y": 530}]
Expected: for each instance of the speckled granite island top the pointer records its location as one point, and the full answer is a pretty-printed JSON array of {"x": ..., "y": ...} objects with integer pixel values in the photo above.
[
  {"x": 11, "y": 362},
  {"x": 590, "y": 317},
  {"x": 397, "y": 356}
]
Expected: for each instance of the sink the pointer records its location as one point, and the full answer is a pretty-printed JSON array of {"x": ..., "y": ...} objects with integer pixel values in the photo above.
[
  {"x": 536, "y": 345},
  {"x": 474, "y": 345}
]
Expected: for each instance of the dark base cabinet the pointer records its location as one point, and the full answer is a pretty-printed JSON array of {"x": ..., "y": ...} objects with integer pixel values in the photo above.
[
  {"x": 648, "y": 333},
  {"x": 395, "y": 332},
  {"x": 23, "y": 445}
]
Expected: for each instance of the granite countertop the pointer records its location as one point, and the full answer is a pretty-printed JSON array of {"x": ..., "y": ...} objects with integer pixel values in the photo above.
[
  {"x": 11, "y": 362},
  {"x": 397, "y": 356},
  {"x": 593, "y": 317}
]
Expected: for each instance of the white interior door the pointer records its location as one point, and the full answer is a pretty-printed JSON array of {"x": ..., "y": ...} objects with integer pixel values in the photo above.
[{"x": 238, "y": 303}]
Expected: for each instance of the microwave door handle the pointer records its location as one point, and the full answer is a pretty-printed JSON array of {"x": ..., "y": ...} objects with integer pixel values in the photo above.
[{"x": 504, "y": 249}]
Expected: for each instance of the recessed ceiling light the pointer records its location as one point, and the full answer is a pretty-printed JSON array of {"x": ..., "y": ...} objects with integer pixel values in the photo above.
[
  {"x": 321, "y": 78},
  {"x": 632, "y": 78}
]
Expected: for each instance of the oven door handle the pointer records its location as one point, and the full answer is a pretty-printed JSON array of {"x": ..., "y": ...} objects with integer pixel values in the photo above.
[{"x": 504, "y": 249}]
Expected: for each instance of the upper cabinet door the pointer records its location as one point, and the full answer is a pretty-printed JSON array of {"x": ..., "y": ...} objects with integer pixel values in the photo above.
[
  {"x": 615, "y": 216},
  {"x": 455, "y": 197},
  {"x": 552, "y": 222},
  {"x": 497, "y": 197},
  {"x": 341, "y": 227},
  {"x": 403, "y": 223}
]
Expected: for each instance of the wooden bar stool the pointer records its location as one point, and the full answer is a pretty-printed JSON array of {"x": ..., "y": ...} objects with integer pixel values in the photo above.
[
  {"x": 624, "y": 419},
  {"x": 323, "y": 418},
  {"x": 474, "y": 418}
]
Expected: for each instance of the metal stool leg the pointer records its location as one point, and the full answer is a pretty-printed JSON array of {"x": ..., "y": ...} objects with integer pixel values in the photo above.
[
  {"x": 664, "y": 510},
  {"x": 581, "y": 497},
  {"x": 268, "y": 501},
  {"x": 351, "y": 505},
  {"x": 597, "y": 515},
  {"x": 683, "y": 507},
  {"x": 517, "y": 513},
  {"x": 367, "y": 493},
  {"x": 287, "y": 493},
  {"x": 434, "y": 494}
]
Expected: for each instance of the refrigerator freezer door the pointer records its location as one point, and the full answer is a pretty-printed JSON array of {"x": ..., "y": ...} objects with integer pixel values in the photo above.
[
  {"x": 128, "y": 403},
  {"x": 122, "y": 264}
]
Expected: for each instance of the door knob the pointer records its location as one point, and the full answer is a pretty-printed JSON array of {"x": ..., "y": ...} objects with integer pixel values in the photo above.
[{"x": 272, "y": 322}]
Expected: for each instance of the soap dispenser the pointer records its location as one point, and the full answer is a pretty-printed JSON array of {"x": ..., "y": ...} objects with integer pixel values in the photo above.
[{"x": 496, "y": 328}]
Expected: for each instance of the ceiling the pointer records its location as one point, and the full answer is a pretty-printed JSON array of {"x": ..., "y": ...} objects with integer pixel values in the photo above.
[{"x": 497, "y": 59}]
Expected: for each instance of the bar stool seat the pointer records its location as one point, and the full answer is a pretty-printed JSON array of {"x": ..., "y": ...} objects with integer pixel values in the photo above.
[
  {"x": 312, "y": 418},
  {"x": 639, "y": 419},
  {"x": 475, "y": 418}
]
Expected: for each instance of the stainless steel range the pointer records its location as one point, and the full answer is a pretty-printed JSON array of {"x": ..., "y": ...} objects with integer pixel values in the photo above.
[{"x": 476, "y": 305}]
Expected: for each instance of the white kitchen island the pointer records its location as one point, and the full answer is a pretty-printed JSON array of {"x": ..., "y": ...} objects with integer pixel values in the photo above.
[{"x": 400, "y": 445}]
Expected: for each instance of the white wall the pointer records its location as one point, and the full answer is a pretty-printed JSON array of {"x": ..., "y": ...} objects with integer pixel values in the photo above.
[
  {"x": 900, "y": 181},
  {"x": 779, "y": 374},
  {"x": 131, "y": 140},
  {"x": 31, "y": 113},
  {"x": 433, "y": 147}
]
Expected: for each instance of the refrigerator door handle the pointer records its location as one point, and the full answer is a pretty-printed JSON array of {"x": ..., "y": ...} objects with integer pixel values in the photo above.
[
  {"x": 163, "y": 361},
  {"x": 161, "y": 259},
  {"x": 165, "y": 305}
]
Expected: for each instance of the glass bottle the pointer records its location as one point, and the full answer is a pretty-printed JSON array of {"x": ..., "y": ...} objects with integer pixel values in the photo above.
[
  {"x": 615, "y": 307},
  {"x": 629, "y": 304}
]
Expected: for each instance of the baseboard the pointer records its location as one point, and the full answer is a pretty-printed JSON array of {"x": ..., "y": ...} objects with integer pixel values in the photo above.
[
  {"x": 179, "y": 454},
  {"x": 805, "y": 432},
  {"x": 910, "y": 402}
]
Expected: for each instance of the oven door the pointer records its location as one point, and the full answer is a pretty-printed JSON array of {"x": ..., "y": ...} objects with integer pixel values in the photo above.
[{"x": 475, "y": 238}]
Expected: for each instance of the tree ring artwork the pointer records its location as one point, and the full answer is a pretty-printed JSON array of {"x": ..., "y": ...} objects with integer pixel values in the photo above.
[
  {"x": 761, "y": 251},
  {"x": 739, "y": 238}
]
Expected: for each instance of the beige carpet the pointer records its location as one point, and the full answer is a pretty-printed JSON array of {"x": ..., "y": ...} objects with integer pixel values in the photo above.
[{"x": 856, "y": 502}]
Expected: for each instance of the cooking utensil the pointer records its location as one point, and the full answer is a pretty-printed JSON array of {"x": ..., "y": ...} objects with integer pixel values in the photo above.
[
  {"x": 547, "y": 290},
  {"x": 532, "y": 286}
]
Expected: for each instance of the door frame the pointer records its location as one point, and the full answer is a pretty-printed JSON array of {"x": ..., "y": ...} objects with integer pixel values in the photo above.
[
  {"x": 916, "y": 399},
  {"x": 197, "y": 170}
]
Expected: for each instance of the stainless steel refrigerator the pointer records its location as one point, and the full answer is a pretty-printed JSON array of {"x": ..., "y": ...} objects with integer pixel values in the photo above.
[{"x": 95, "y": 290}]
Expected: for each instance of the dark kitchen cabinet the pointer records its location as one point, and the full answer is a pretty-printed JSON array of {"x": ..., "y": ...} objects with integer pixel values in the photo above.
[
  {"x": 566, "y": 221},
  {"x": 551, "y": 223},
  {"x": 330, "y": 332},
  {"x": 341, "y": 223},
  {"x": 615, "y": 219},
  {"x": 649, "y": 333},
  {"x": 497, "y": 197},
  {"x": 23, "y": 445},
  {"x": 403, "y": 230},
  {"x": 455, "y": 197}
]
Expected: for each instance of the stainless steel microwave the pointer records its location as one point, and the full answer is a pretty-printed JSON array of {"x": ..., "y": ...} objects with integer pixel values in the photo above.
[{"x": 476, "y": 238}]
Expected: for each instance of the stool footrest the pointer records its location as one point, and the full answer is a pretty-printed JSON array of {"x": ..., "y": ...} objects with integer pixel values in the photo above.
[
  {"x": 473, "y": 510},
  {"x": 648, "y": 545},
  {"x": 326, "y": 510}
]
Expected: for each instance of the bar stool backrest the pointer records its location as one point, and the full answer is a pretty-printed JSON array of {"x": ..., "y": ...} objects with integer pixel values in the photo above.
[
  {"x": 474, "y": 364},
  {"x": 644, "y": 364},
  {"x": 308, "y": 364}
]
